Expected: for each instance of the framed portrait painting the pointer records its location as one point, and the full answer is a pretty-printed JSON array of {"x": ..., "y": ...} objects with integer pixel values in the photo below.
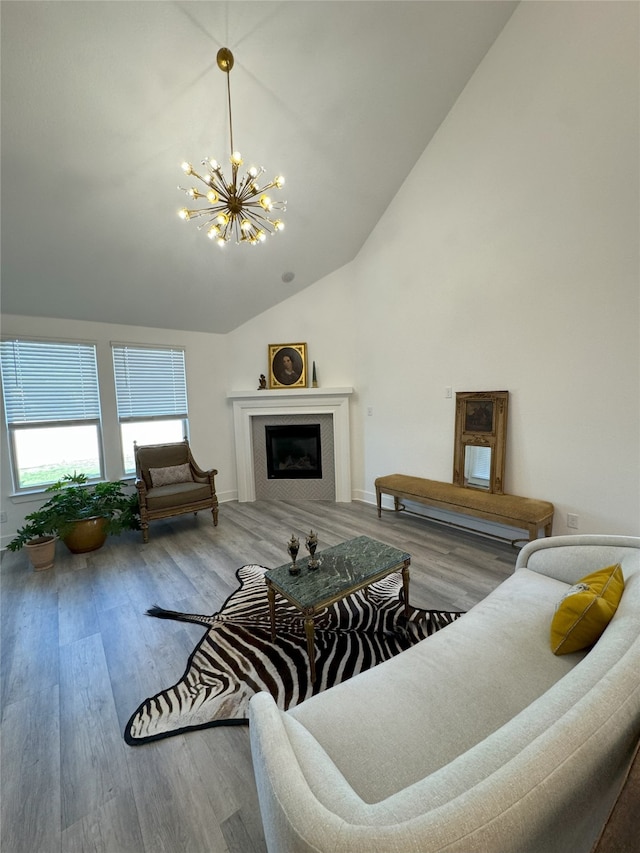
[{"x": 287, "y": 365}]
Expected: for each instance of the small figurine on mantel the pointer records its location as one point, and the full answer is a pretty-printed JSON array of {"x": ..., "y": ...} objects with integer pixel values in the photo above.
[{"x": 262, "y": 382}]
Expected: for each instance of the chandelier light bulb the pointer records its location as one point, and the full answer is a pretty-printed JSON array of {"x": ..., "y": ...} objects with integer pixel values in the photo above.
[{"x": 237, "y": 208}]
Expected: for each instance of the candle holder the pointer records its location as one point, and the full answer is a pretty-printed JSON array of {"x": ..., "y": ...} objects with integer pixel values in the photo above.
[
  {"x": 311, "y": 543},
  {"x": 293, "y": 546}
]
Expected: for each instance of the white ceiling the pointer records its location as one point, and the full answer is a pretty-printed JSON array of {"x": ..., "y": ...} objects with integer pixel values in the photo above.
[{"x": 102, "y": 101}]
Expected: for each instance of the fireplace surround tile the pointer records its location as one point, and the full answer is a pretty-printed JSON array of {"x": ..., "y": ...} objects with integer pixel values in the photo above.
[{"x": 304, "y": 490}]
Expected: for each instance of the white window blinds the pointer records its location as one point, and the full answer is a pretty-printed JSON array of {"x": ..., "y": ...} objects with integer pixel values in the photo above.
[
  {"x": 44, "y": 381},
  {"x": 150, "y": 382}
]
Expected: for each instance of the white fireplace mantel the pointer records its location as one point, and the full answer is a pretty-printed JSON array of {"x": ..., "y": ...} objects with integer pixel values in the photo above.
[{"x": 298, "y": 401}]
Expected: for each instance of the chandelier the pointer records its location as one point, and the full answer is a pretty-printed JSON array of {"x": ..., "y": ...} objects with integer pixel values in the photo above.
[{"x": 239, "y": 207}]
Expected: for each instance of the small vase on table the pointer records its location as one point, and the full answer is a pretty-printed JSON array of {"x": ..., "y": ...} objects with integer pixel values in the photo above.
[
  {"x": 312, "y": 543},
  {"x": 293, "y": 547}
]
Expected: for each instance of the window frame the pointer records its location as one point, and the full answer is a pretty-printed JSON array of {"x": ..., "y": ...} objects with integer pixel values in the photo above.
[
  {"x": 123, "y": 357},
  {"x": 15, "y": 427}
]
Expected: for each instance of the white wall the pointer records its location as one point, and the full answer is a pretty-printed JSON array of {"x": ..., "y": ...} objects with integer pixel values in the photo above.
[
  {"x": 512, "y": 255},
  {"x": 205, "y": 358},
  {"x": 507, "y": 261}
]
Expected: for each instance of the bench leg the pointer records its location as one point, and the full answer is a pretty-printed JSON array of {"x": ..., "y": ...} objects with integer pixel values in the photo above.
[{"x": 379, "y": 502}]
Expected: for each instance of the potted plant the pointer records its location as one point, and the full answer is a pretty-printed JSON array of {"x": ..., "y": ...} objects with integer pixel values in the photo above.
[
  {"x": 38, "y": 539},
  {"x": 81, "y": 514}
]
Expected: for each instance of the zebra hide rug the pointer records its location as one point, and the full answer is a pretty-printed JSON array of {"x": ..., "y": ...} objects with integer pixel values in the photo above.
[{"x": 236, "y": 657}]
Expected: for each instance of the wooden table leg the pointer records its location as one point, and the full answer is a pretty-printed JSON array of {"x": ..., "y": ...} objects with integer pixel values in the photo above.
[
  {"x": 405, "y": 588},
  {"x": 271, "y": 593},
  {"x": 311, "y": 650}
]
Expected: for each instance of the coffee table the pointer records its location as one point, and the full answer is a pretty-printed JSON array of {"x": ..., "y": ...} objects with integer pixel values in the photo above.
[{"x": 342, "y": 570}]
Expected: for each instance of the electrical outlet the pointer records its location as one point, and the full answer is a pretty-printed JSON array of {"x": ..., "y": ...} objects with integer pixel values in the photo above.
[
  {"x": 572, "y": 521},
  {"x": 370, "y": 411},
  {"x": 3, "y": 517}
]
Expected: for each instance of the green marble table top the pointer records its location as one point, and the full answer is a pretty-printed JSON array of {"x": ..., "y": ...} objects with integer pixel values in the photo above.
[{"x": 349, "y": 565}]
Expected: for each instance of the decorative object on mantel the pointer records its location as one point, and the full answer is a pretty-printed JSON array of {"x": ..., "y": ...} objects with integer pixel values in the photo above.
[
  {"x": 236, "y": 657},
  {"x": 287, "y": 365},
  {"x": 293, "y": 546},
  {"x": 262, "y": 382},
  {"x": 314, "y": 377},
  {"x": 236, "y": 208}
]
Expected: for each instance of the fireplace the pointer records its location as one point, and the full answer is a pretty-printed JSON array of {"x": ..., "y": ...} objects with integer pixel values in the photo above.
[
  {"x": 293, "y": 452},
  {"x": 253, "y": 410}
]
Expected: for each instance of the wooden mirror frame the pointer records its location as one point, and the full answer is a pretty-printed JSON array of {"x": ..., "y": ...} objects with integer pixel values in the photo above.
[{"x": 490, "y": 430}]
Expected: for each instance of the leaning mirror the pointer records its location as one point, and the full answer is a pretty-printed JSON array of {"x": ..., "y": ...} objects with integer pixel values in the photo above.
[
  {"x": 477, "y": 466},
  {"x": 480, "y": 440}
]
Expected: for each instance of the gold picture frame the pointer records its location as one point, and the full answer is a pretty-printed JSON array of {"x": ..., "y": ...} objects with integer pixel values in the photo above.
[{"x": 287, "y": 365}]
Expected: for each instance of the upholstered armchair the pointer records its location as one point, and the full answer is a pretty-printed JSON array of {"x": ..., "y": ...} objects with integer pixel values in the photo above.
[{"x": 169, "y": 482}]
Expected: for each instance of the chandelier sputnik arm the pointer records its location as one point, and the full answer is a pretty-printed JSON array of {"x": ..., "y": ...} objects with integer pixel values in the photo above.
[{"x": 235, "y": 209}]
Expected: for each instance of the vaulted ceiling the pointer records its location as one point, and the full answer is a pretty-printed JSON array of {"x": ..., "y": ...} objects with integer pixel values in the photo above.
[{"x": 102, "y": 101}]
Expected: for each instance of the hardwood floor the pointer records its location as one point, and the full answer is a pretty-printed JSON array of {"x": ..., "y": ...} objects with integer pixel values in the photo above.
[{"x": 79, "y": 655}]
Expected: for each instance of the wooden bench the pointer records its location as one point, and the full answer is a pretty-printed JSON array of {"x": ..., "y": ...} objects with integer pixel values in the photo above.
[{"x": 524, "y": 513}]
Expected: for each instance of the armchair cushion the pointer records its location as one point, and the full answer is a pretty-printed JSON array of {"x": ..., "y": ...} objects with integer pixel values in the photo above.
[
  {"x": 171, "y": 474},
  {"x": 177, "y": 495}
]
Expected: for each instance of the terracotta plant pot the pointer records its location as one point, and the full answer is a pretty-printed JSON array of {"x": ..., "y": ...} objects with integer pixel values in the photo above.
[
  {"x": 88, "y": 534},
  {"x": 41, "y": 552}
]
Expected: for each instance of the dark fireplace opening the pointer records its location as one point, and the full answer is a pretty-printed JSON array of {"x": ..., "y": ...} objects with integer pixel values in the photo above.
[{"x": 293, "y": 452}]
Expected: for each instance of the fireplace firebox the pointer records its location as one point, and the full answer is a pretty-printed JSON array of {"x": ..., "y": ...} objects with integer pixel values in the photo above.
[{"x": 293, "y": 452}]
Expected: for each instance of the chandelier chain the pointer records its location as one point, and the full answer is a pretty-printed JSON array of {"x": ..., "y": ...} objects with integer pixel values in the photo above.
[{"x": 229, "y": 102}]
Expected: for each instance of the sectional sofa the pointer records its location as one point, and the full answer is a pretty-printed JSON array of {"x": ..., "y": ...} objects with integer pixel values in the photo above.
[{"x": 479, "y": 738}]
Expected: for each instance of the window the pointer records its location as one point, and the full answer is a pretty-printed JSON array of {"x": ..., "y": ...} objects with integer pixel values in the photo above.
[
  {"x": 52, "y": 409},
  {"x": 151, "y": 392}
]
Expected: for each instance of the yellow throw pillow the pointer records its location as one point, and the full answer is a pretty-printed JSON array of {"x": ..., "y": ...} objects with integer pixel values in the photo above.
[{"x": 586, "y": 610}]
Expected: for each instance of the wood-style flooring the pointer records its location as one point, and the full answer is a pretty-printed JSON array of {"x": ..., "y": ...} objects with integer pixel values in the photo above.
[{"x": 79, "y": 655}]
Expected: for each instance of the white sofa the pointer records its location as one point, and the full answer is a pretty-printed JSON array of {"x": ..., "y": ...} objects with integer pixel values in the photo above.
[{"x": 478, "y": 739}]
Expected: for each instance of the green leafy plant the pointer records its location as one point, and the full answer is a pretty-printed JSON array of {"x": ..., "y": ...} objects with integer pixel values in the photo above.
[{"x": 73, "y": 499}]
